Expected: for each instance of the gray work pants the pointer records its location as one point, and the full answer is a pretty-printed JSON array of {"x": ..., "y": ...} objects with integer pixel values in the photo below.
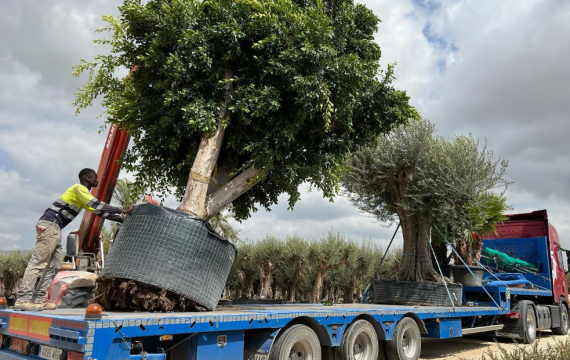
[{"x": 48, "y": 240}]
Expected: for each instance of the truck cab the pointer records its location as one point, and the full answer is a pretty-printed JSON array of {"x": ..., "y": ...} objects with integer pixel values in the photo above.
[{"x": 531, "y": 238}]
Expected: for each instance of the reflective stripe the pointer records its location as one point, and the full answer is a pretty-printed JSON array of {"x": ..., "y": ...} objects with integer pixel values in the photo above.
[
  {"x": 105, "y": 215},
  {"x": 64, "y": 203},
  {"x": 54, "y": 208},
  {"x": 91, "y": 202},
  {"x": 100, "y": 206},
  {"x": 61, "y": 202},
  {"x": 68, "y": 215}
]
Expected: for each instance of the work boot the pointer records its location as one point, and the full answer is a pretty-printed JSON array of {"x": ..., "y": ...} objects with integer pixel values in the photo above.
[
  {"x": 18, "y": 305},
  {"x": 29, "y": 306},
  {"x": 49, "y": 306}
]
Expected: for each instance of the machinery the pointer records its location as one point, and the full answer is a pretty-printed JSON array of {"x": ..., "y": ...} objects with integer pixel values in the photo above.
[{"x": 73, "y": 285}]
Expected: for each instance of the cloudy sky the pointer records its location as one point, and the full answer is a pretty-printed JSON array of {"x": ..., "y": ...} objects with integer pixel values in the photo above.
[{"x": 497, "y": 69}]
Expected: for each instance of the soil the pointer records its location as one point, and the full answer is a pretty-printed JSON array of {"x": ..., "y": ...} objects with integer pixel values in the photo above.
[{"x": 130, "y": 295}]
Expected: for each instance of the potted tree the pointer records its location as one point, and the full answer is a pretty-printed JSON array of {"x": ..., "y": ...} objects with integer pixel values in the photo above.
[
  {"x": 239, "y": 102},
  {"x": 418, "y": 178}
]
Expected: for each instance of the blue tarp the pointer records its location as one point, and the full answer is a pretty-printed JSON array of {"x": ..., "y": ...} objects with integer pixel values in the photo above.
[{"x": 509, "y": 279}]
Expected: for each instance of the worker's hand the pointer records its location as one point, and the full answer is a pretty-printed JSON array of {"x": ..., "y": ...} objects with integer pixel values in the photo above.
[{"x": 128, "y": 209}]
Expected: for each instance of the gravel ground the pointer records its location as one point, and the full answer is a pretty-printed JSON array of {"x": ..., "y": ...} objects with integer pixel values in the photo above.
[{"x": 468, "y": 348}]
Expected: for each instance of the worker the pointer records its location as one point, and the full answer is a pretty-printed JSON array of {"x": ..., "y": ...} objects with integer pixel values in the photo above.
[{"x": 46, "y": 253}]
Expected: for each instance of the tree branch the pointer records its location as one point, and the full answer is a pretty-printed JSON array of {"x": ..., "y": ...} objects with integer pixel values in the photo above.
[{"x": 231, "y": 191}]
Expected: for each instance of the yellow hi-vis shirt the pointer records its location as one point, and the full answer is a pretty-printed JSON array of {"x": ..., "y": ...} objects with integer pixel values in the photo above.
[{"x": 73, "y": 200}]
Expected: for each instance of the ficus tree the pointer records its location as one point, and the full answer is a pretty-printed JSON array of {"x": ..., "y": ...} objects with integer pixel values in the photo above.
[
  {"x": 238, "y": 101},
  {"x": 420, "y": 179}
]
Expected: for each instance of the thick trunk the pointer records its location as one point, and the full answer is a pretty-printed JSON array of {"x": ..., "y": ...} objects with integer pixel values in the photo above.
[
  {"x": 416, "y": 264},
  {"x": 463, "y": 247},
  {"x": 348, "y": 292},
  {"x": 295, "y": 285},
  {"x": 246, "y": 282},
  {"x": 477, "y": 249},
  {"x": 194, "y": 200},
  {"x": 266, "y": 289},
  {"x": 230, "y": 191},
  {"x": 315, "y": 295}
]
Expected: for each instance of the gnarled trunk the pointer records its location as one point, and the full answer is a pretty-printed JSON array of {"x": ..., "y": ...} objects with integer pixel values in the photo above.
[
  {"x": 416, "y": 264},
  {"x": 294, "y": 290}
]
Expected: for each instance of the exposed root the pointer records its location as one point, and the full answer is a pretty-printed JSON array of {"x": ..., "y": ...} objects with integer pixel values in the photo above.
[{"x": 124, "y": 294}]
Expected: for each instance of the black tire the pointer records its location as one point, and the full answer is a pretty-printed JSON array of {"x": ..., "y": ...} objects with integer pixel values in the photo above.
[
  {"x": 382, "y": 352},
  {"x": 563, "y": 329},
  {"x": 529, "y": 324},
  {"x": 360, "y": 341},
  {"x": 299, "y": 339},
  {"x": 406, "y": 343}
]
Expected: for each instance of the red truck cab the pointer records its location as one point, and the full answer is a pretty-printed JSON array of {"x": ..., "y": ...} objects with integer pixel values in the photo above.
[{"x": 533, "y": 225}]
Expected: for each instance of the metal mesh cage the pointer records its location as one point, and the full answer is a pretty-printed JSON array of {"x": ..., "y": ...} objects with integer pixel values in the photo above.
[
  {"x": 173, "y": 250},
  {"x": 416, "y": 293}
]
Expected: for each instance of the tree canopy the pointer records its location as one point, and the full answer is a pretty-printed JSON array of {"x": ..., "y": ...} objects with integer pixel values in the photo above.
[
  {"x": 419, "y": 178},
  {"x": 295, "y": 85}
]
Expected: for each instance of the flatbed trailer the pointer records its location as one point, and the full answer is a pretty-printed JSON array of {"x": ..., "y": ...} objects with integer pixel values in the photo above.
[
  {"x": 243, "y": 332},
  {"x": 309, "y": 331}
]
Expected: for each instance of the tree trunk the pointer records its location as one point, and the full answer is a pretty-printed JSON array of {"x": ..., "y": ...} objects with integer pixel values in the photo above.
[
  {"x": 266, "y": 289},
  {"x": 194, "y": 200},
  {"x": 295, "y": 285},
  {"x": 416, "y": 264},
  {"x": 246, "y": 282},
  {"x": 315, "y": 294},
  {"x": 231, "y": 191},
  {"x": 348, "y": 292},
  {"x": 477, "y": 249}
]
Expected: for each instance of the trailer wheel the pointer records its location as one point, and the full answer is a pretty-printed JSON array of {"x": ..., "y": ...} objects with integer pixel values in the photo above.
[
  {"x": 406, "y": 343},
  {"x": 529, "y": 324},
  {"x": 298, "y": 342},
  {"x": 359, "y": 342},
  {"x": 563, "y": 329}
]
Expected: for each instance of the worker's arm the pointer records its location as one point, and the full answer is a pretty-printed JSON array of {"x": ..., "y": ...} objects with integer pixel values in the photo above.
[{"x": 100, "y": 208}]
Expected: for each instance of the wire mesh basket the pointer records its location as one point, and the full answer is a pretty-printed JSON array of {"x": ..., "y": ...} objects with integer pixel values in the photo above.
[{"x": 173, "y": 250}]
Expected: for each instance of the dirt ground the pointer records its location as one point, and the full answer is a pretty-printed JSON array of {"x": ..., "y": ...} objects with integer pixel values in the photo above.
[{"x": 468, "y": 348}]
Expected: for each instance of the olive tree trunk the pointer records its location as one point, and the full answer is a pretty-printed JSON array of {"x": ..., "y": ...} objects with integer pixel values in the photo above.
[
  {"x": 322, "y": 269},
  {"x": 294, "y": 289},
  {"x": 416, "y": 264}
]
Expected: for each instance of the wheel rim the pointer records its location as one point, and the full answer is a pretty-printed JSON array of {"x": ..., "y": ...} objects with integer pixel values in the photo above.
[
  {"x": 301, "y": 350},
  {"x": 564, "y": 319},
  {"x": 409, "y": 343},
  {"x": 362, "y": 348},
  {"x": 530, "y": 323}
]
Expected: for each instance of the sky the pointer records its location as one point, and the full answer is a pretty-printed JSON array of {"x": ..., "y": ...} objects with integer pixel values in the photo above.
[{"x": 496, "y": 69}]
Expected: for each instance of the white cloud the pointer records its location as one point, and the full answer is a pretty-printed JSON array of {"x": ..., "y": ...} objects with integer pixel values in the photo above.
[{"x": 496, "y": 69}]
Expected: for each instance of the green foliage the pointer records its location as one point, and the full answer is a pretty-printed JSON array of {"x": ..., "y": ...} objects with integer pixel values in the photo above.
[
  {"x": 306, "y": 89},
  {"x": 221, "y": 224},
  {"x": 126, "y": 193},
  {"x": 12, "y": 267},
  {"x": 448, "y": 181},
  {"x": 295, "y": 264},
  {"x": 485, "y": 213}
]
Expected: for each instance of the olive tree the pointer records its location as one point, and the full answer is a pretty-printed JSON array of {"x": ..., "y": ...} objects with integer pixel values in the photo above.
[
  {"x": 239, "y": 101},
  {"x": 419, "y": 178}
]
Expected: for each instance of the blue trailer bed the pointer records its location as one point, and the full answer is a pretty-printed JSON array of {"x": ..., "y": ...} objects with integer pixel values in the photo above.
[{"x": 243, "y": 330}]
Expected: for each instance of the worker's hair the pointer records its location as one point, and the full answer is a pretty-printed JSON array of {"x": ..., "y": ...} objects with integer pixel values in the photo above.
[{"x": 85, "y": 171}]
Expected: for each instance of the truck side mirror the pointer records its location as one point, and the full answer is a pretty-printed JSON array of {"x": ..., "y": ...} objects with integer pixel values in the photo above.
[{"x": 72, "y": 245}]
